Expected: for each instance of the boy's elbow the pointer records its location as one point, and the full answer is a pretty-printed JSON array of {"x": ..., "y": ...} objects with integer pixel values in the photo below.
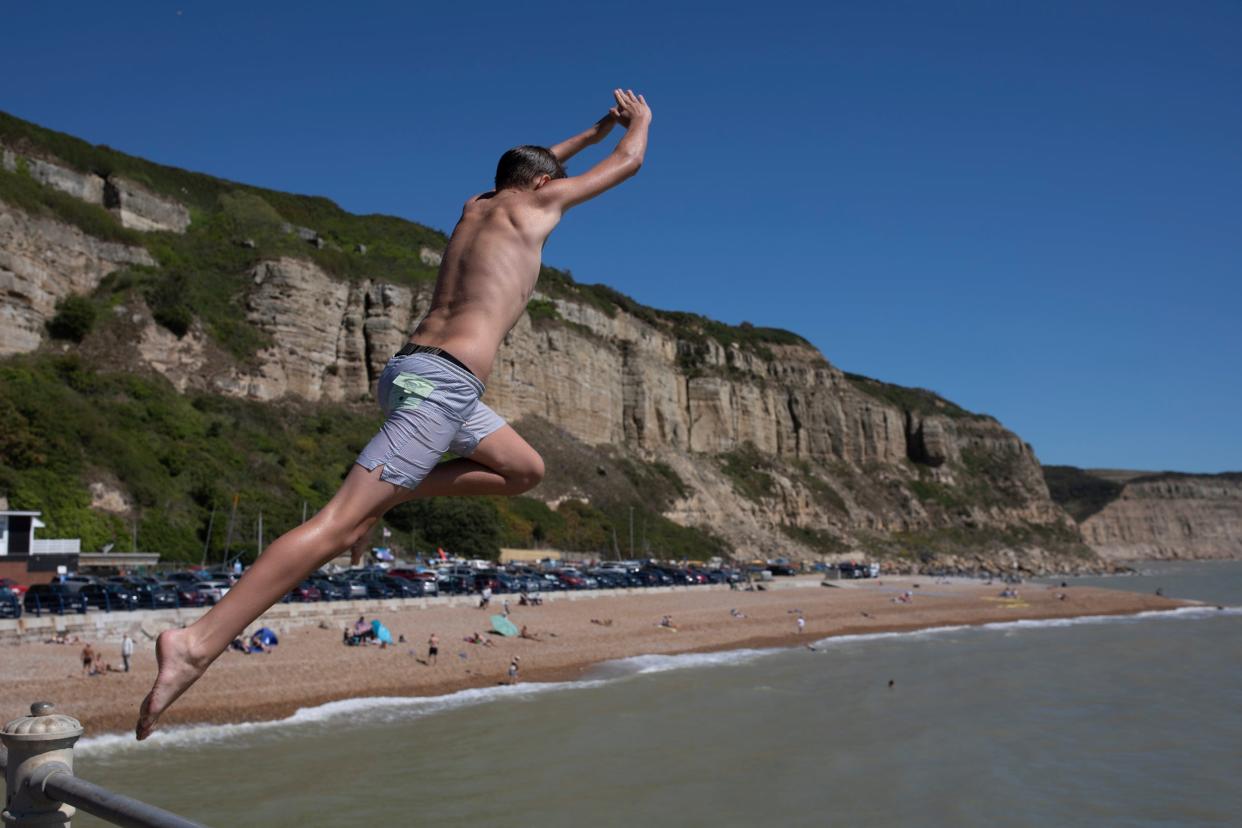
[{"x": 633, "y": 163}]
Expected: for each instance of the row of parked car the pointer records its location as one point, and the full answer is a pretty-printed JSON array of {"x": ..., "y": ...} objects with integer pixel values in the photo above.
[
  {"x": 523, "y": 578},
  {"x": 80, "y": 593}
]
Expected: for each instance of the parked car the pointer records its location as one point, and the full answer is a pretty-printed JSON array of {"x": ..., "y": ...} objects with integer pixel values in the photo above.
[
  {"x": 330, "y": 590},
  {"x": 56, "y": 598},
  {"x": 456, "y": 584},
  {"x": 13, "y": 586},
  {"x": 355, "y": 589},
  {"x": 192, "y": 577},
  {"x": 378, "y": 589},
  {"x": 403, "y": 587},
  {"x": 413, "y": 574},
  {"x": 109, "y": 597},
  {"x": 10, "y": 603},
  {"x": 76, "y": 582},
  {"x": 214, "y": 590},
  {"x": 852, "y": 569},
  {"x": 305, "y": 592},
  {"x": 152, "y": 596},
  {"x": 187, "y": 594}
]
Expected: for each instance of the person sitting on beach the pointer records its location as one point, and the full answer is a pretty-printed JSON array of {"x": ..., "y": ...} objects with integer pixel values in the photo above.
[
  {"x": 361, "y": 627},
  {"x": 527, "y": 635},
  {"x": 523, "y": 600},
  {"x": 736, "y": 613}
]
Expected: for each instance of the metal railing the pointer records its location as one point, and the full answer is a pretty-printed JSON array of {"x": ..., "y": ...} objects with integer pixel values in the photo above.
[{"x": 41, "y": 789}]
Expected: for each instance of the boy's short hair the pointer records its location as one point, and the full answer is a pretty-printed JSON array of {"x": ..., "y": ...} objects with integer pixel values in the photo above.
[{"x": 522, "y": 165}]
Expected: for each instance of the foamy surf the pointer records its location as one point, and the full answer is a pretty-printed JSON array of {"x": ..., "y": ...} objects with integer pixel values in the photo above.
[
  {"x": 367, "y": 710},
  {"x": 1179, "y": 614},
  {"x": 645, "y": 664}
]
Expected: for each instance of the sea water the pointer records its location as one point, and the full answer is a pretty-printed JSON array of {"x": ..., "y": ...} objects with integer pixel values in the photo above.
[{"x": 1133, "y": 721}]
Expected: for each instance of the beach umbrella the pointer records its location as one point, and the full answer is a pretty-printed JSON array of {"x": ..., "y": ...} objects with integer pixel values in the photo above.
[
  {"x": 381, "y": 632},
  {"x": 504, "y": 626}
]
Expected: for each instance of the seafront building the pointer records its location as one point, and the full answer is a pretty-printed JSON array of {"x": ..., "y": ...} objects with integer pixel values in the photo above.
[{"x": 30, "y": 560}]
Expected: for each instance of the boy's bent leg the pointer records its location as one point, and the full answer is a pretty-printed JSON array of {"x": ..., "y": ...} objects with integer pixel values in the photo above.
[
  {"x": 184, "y": 654},
  {"x": 502, "y": 463}
]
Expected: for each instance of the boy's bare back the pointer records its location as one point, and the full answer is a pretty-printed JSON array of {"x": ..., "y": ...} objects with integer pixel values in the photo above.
[{"x": 492, "y": 260}]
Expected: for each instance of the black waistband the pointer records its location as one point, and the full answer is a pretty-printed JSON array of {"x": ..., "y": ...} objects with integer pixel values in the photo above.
[{"x": 434, "y": 351}]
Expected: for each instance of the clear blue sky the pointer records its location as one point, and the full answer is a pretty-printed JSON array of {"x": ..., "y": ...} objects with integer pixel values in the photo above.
[{"x": 1034, "y": 209}]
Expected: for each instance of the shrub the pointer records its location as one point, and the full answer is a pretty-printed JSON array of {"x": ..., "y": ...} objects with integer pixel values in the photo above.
[{"x": 75, "y": 316}]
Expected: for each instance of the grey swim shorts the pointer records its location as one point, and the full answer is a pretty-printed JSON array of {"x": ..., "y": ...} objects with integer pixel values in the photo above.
[{"x": 433, "y": 406}]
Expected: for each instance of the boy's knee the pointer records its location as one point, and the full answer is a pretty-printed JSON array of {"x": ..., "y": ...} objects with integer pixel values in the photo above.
[{"x": 529, "y": 473}]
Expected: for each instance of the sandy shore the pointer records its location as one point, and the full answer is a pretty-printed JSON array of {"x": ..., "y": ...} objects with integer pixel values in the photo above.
[{"x": 311, "y": 666}]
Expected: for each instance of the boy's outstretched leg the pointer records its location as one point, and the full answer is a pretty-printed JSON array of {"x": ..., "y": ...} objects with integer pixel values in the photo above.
[
  {"x": 503, "y": 463},
  {"x": 184, "y": 654}
]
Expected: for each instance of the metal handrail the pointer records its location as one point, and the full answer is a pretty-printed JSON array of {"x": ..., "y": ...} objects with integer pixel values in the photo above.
[
  {"x": 37, "y": 760},
  {"x": 58, "y": 783}
]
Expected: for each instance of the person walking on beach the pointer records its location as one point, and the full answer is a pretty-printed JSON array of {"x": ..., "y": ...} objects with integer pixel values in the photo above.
[
  {"x": 433, "y": 648},
  {"x": 513, "y": 669},
  {"x": 430, "y": 389},
  {"x": 88, "y": 660},
  {"x": 127, "y": 650},
  {"x": 801, "y": 624}
]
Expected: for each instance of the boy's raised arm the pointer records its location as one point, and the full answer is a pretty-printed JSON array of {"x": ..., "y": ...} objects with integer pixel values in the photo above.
[
  {"x": 624, "y": 161},
  {"x": 570, "y": 147}
]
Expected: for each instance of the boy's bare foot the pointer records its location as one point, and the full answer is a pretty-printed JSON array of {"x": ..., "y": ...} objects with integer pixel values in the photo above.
[{"x": 178, "y": 669}]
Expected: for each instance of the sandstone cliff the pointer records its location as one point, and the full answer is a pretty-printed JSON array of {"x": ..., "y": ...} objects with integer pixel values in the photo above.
[
  {"x": 41, "y": 262},
  {"x": 772, "y": 447},
  {"x": 1144, "y": 515}
]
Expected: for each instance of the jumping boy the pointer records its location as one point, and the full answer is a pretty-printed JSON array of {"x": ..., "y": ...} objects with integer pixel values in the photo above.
[{"x": 430, "y": 390}]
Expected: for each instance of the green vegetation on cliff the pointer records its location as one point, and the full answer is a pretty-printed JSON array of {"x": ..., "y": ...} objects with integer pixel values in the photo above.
[{"x": 179, "y": 456}]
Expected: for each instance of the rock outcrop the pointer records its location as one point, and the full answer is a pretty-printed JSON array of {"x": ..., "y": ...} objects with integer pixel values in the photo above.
[
  {"x": 1170, "y": 516},
  {"x": 140, "y": 209},
  {"x": 135, "y": 206},
  {"x": 43, "y": 261},
  {"x": 86, "y": 186},
  {"x": 330, "y": 338}
]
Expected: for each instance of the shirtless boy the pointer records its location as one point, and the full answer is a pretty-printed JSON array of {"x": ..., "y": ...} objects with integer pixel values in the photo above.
[{"x": 430, "y": 390}]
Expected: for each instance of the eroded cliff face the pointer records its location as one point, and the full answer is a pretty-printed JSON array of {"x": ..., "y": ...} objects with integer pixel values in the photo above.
[
  {"x": 836, "y": 461},
  {"x": 41, "y": 262},
  {"x": 839, "y": 458},
  {"x": 1170, "y": 516}
]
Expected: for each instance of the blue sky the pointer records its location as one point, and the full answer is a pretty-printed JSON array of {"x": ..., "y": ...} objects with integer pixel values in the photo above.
[{"x": 1033, "y": 209}]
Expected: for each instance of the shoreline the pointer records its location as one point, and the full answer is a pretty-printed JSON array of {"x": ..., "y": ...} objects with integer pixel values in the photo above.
[{"x": 311, "y": 667}]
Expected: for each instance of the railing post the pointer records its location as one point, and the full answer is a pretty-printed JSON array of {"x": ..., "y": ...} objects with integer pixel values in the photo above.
[{"x": 32, "y": 742}]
